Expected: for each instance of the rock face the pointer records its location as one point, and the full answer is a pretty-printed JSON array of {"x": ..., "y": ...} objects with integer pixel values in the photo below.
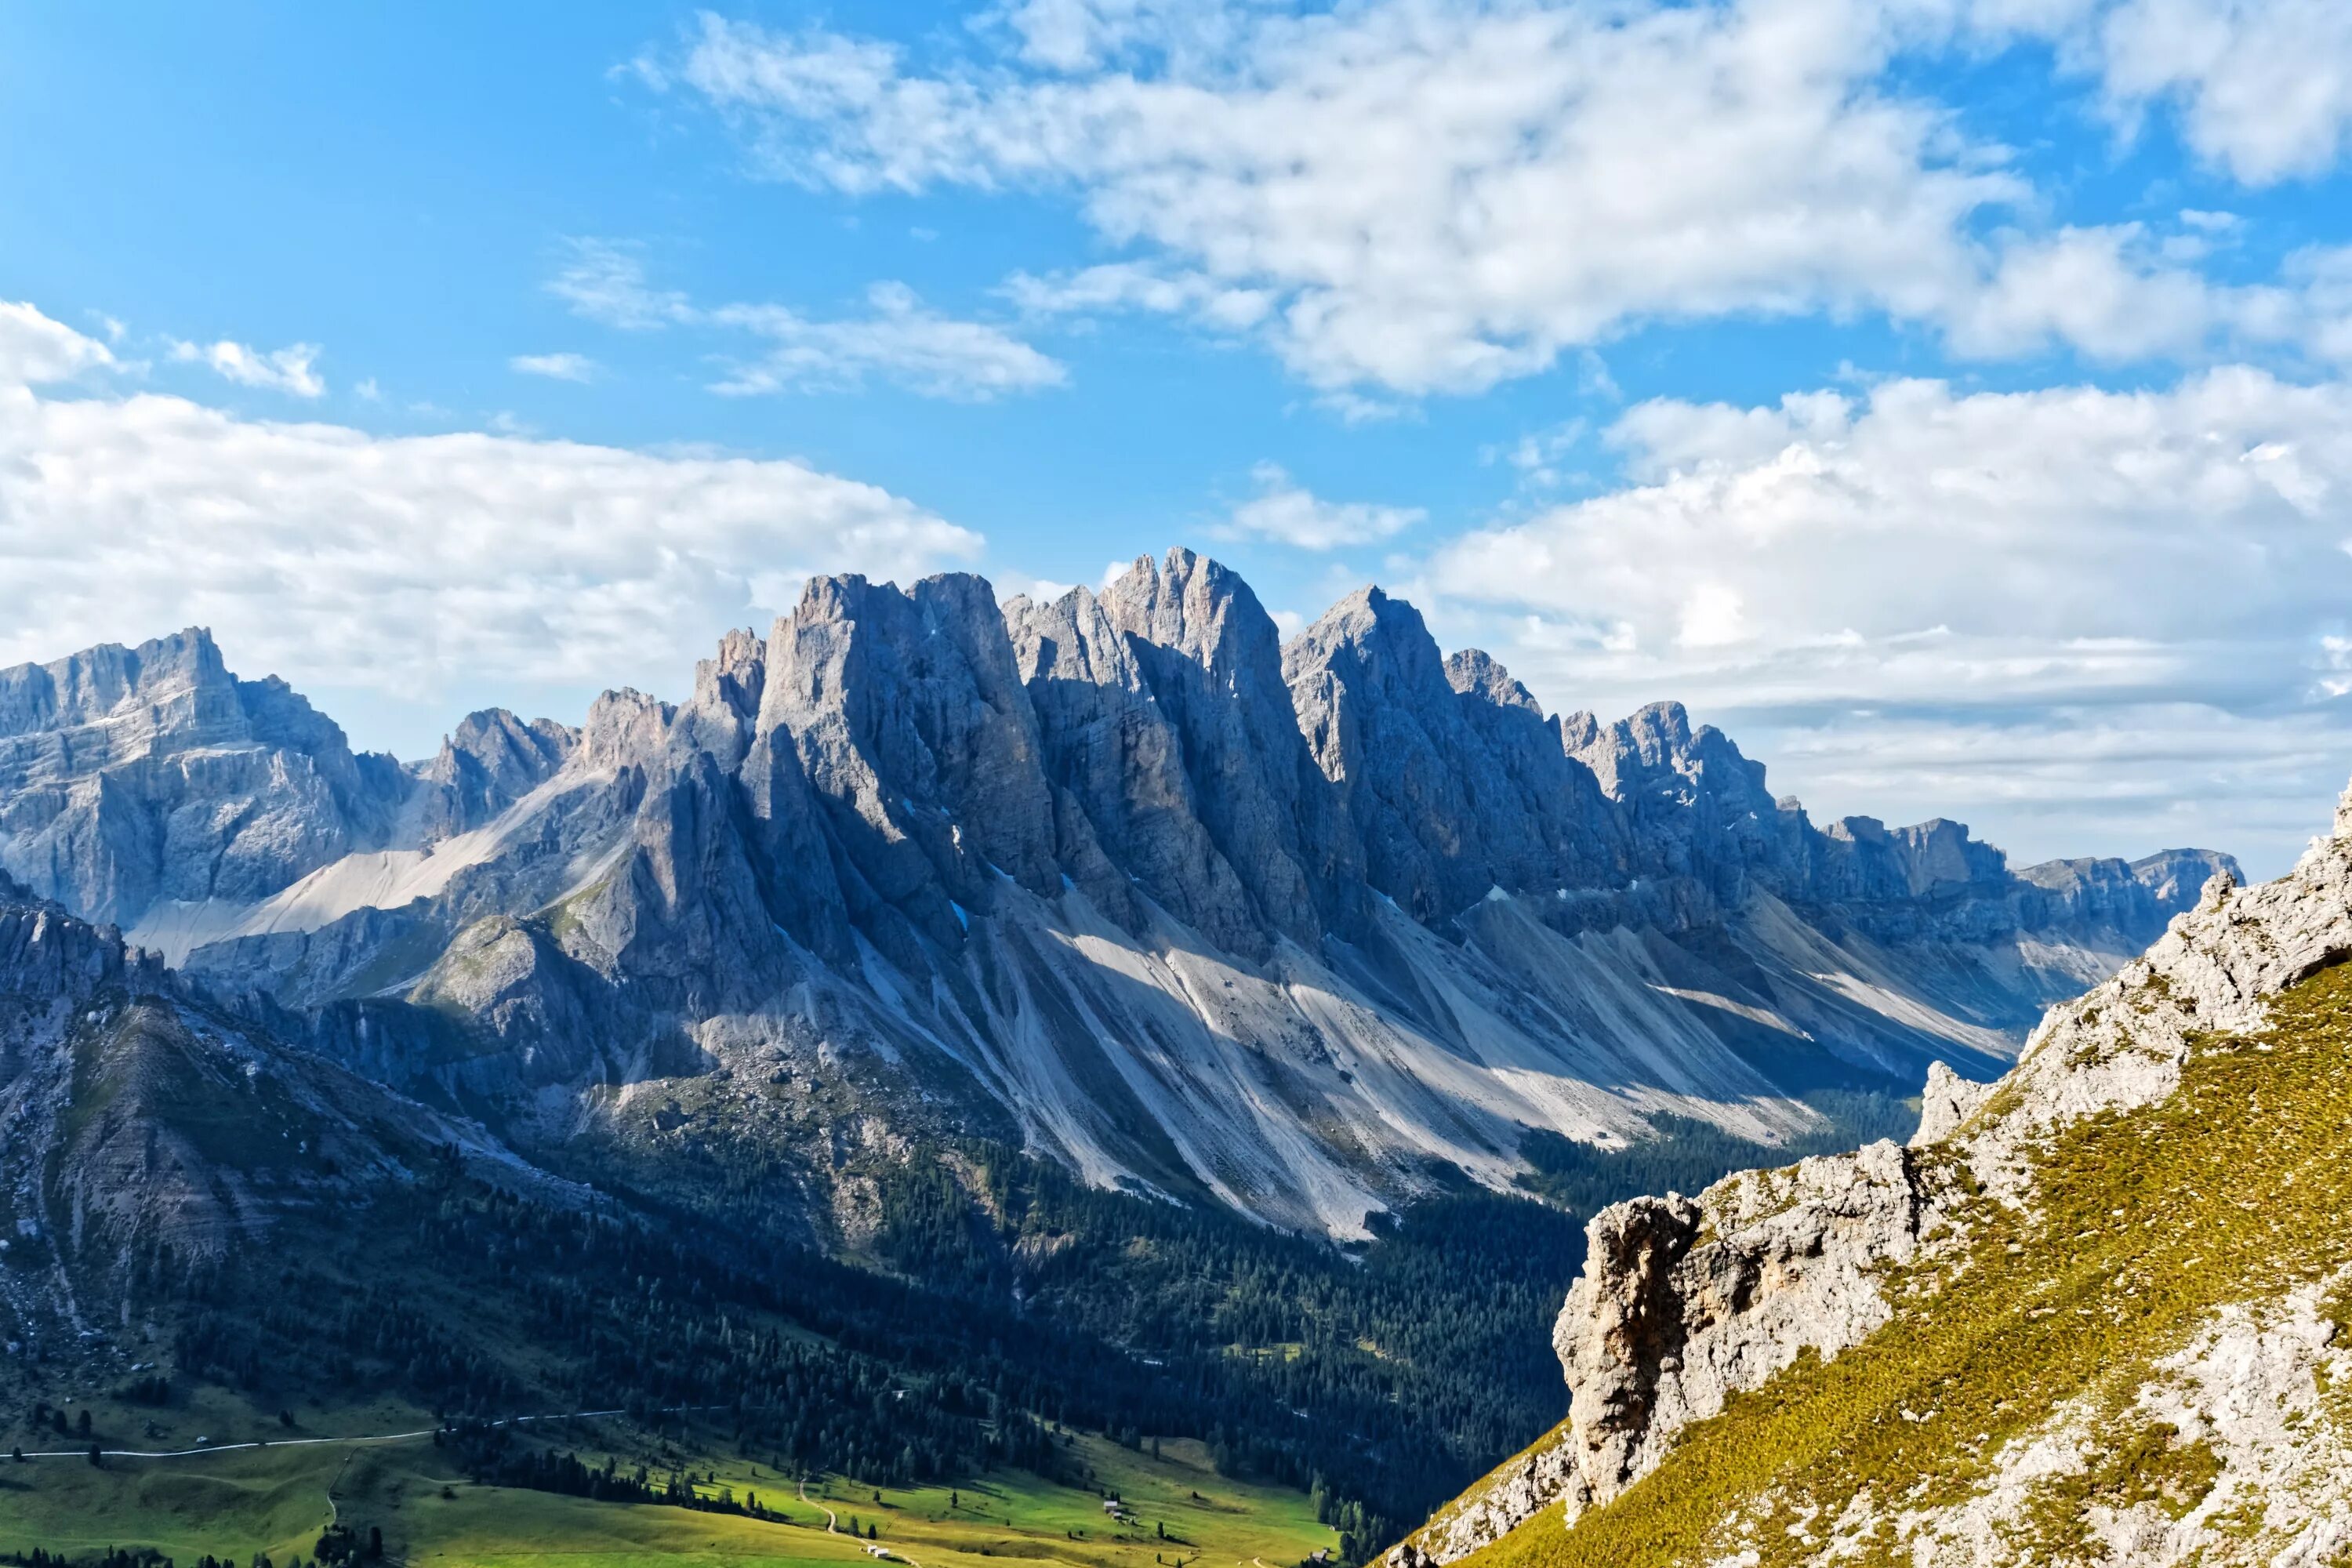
[
  {"x": 144, "y": 1123},
  {"x": 1659, "y": 1329},
  {"x": 1686, "y": 1302},
  {"x": 1119, "y": 877},
  {"x": 490, "y": 761},
  {"x": 132, "y": 776}
]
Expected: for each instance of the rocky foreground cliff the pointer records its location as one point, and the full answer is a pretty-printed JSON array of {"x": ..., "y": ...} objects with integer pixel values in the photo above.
[
  {"x": 2096, "y": 1312},
  {"x": 1120, "y": 878}
]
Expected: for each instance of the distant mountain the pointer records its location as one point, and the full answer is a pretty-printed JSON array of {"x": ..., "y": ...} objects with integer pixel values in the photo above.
[
  {"x": 1306, "y": 931},
  {"x": 2096, "y": 1312}
]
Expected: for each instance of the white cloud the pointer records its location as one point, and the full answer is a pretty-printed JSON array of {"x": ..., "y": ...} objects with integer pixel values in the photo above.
[
  {"x": 287, "y": 370},
  {"x": 2263, "y": 88},
  {"x": 1078, "y": 35},
  {"x": 1950, "y": 563},
  {"x": 2116, "y": 294},
  {"x": 557, "y": 366},
  {"x": 1127, "y": 286},
  {"x": 1538, "y": 454},
  {"x": 405, "y": 565},
  {"x": 35, "y": 349},
  {"x": 902, "y": 340},
  {"x": 1432, "y": 196},
  {"x": 1288, "y": 513},
  {"x": 2090, "y": 532},
  {"x": 605, "y": 281},
  {"x": 1435, "y": 195}
]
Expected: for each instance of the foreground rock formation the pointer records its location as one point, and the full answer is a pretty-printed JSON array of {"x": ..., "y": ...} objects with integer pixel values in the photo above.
[
  {"x": 2092, "y": 1312},
  {"x": 1120, "y": 877}
]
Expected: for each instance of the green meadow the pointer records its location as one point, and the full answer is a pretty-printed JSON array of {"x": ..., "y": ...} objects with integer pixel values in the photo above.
[{"x": 1175, "y": 1509}]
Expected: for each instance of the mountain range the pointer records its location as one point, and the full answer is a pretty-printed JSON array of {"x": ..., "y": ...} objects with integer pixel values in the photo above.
[
  {"x": 956, "y": 1024},
  {"x": 1302, "y": 930}
]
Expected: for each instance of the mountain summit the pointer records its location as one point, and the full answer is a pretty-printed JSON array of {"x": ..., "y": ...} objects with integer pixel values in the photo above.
[{"x": 1304, "y": 931}]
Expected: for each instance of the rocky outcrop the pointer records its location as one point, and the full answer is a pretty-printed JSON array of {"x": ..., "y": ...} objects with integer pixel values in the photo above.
[
  {"x": 489, "y": 763},
  {"x": 1684, "y": 1302},
  {"x": 1687, "y": 1301}
]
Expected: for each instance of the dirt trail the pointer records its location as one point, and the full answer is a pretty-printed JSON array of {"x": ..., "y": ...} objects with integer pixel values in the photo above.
[{"x": 833, "y": 1527}]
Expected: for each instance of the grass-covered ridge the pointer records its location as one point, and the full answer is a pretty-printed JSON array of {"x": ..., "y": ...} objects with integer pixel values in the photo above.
[{"x": 2235, "y": 1189}]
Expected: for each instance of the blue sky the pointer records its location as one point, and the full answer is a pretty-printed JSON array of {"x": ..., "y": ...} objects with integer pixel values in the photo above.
[{"x": 1947, "y": 397}]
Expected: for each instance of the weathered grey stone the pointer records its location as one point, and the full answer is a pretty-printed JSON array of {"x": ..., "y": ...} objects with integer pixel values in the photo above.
[
  {"x": 1109, "y": 870},
  {"x": 1685, "y": 1301},
  {"x": 1213, "y": 660}
]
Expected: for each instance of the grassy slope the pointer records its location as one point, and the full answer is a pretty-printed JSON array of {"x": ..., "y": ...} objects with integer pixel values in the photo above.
[
  {"x": 2235, "y": 1187},
  {"x": 1485, "y": 1484},
  {"x": 277, "y": 1499}
]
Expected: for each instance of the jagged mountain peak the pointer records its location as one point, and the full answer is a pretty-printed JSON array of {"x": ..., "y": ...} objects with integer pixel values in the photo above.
[
  {"x": 1373, "y": 636},
  {"x": 85, "y": 686},
  {"x": 490, "y": 760},
  {"x": 1199, "y": 609},
  {"x": 1294, "y": 927},
  {"x": 1474, "y": 672}
]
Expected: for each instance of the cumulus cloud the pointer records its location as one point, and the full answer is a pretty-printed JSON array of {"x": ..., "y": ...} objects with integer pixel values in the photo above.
[
  {"x": 1918, "y": 562},
  {"x": 2263, "y": 88},
  {"x": 287, "y": 369},
  {"x": 405, "y": 566},
  {"x": 557, "y": 366},
  {"x": 1288, "y": 513},
  {"x": 2012, "y": 518},
  {"x": 2115, "y": 293},
  {"x": 2259, "y": 89},
  {"x": 35, "y": 349}
]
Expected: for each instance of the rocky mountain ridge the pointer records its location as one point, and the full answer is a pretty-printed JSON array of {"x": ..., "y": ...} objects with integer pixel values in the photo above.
[
  {"x": 2124, "y": 1259},
  {"x": 1119, "y": 877},
  {"x": 148, "y": 1129}
]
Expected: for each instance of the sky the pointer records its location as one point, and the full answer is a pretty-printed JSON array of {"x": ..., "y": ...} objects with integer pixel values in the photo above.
[{"x": 1949, "y": 399}]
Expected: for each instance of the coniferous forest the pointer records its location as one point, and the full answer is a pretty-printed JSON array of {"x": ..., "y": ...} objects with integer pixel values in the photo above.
[{"x": 996, "y": 1299}]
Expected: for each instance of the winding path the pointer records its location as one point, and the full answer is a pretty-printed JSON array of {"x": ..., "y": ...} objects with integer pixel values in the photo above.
[{"x": 833, "y": 1525}]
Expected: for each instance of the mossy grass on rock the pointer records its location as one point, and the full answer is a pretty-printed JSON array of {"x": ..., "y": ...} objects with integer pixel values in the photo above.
[{"x": 2099, "y": 1320}]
